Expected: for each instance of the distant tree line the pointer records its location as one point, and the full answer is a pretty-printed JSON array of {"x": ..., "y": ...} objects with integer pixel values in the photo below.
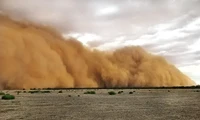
[{"x": 162, "y": 87}]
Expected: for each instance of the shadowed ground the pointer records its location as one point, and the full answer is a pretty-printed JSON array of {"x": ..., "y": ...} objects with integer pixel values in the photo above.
[{"x": 144, "y": 104}]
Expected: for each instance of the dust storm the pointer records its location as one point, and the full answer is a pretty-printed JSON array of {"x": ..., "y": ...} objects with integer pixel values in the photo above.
[{"x": 34, "y": 56}]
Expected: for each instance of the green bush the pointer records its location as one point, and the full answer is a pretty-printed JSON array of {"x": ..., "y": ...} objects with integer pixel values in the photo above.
[
  {"x": 2, "y": 93},
  {"x": 90, "y": 92},
  {"x": 8, "y": 97},
  {"x": 111, "y": 93}
]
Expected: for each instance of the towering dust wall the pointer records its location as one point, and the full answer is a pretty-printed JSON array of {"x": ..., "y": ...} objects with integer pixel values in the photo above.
[{"x": 32, "y": 56}]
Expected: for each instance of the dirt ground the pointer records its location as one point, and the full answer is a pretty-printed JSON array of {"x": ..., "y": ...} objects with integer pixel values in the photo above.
[{"x": 143, "y": 104}]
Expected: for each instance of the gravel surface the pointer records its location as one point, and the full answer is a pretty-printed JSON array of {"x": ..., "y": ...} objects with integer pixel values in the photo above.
[{"x": 141, "y": 105}]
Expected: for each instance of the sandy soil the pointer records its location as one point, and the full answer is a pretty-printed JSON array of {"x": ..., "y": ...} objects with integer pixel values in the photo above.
[{"x": 141, "y": 105}]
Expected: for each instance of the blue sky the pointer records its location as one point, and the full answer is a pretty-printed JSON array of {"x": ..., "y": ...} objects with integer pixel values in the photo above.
[{"x": 170, "y": 28}]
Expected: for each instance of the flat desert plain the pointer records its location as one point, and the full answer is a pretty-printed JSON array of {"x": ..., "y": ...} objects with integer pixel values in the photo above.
[{"x": 143, "y": 104}]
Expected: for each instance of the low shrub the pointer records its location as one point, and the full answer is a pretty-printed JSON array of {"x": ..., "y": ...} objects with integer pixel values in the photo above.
[
  {"x": 90, "y": 92},
  {"x": 8, "y": 97},
  {"x": 60, "y": 91},
  {"x": 18, "y": 92},
  {"x": 2, "y": 93},
  {"x": 69, "y": 95},
  {"x": 130, "y": 92},
  {"x": 120, "y": 92},
  {"x": 111, "y": 93},
  {"x": 197, "y": 91},
  {"x": 35, "y": 91},
  {"x": 38, "y": 91}
]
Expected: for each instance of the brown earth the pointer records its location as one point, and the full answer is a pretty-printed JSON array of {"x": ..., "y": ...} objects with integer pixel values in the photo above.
[{"x": 143, "y": 104}]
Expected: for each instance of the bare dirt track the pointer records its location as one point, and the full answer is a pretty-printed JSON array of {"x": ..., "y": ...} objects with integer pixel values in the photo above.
[{"x": 143, "y": 104}]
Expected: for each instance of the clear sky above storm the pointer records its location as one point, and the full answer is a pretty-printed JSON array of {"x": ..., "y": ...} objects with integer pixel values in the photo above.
[{"x": 170, "y": 28}]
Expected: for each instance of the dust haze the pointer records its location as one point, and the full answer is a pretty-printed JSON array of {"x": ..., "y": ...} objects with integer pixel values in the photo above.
[{"x": 34, "y": 56}]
